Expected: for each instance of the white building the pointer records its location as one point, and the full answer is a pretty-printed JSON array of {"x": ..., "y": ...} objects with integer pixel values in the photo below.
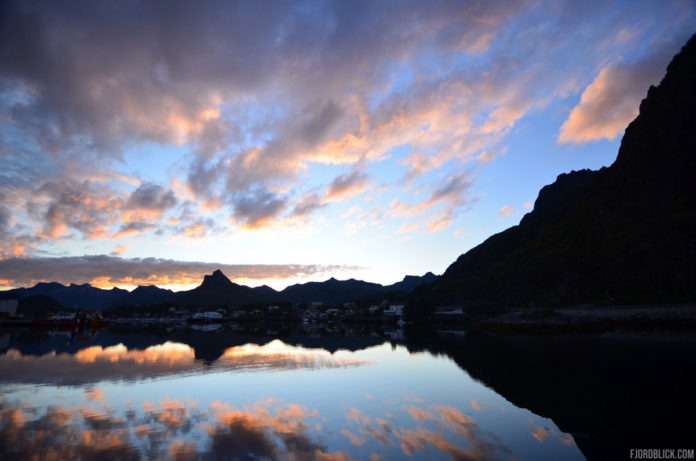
[
  {"x": 394, "y": 310},
  {"x": 207, "y": 316}
]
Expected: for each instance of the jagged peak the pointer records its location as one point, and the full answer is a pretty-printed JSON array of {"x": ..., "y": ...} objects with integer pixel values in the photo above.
[{"x": 216, "y": 280}]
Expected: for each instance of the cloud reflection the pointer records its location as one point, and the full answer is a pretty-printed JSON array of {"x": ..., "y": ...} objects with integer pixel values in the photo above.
[
  {"x": 439, "y": 427},
  {"x": 266, "y": 429},
  {"x": 117, "y": 363}
]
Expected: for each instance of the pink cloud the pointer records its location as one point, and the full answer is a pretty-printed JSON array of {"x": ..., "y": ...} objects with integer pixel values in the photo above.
[
  {"x": 611, "y": 100},
  {"x": 346, "y": 186},
  {"x": 505, "y": 210}
]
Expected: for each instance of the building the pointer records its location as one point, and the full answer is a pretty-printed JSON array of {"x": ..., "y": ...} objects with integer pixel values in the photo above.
[{"x": 394, "y": 310}]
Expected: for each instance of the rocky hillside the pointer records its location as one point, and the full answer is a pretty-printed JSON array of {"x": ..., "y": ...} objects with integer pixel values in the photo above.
[{"x": 621, "y": 235}]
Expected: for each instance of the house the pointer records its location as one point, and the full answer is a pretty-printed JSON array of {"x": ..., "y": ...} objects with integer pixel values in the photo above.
[
  {"x": 448, "y": 310},
  {"x": 394, "y": 310},
  {"x": 207, "y": 316}
]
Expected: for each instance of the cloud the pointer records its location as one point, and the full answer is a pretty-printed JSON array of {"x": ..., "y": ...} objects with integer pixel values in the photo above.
[
  {"x": 96, "y": 364},
  {"x": 108, "y": 271},
  {"x": 256, "y": 100},
  {"x": 67, "y": 206},
  {"x": 610, "y": 102},
  {"x": 354, "y": 439},
  {"x": 118, "y": 250},
  {"x": 257, "y": 208},
  {"x": 151, "y": 197},
  {"x": 419, "y": 413},
  {"x": 453, "y": 191},
  {"x": 98, "y": 431},
  {"x": 450, "y": 197},
  {"x": 476, "y": 405},
  {"x": 346, "y": 186},
  {"x": 307, "y": 204},
  {"x": 505, "y": 210}
]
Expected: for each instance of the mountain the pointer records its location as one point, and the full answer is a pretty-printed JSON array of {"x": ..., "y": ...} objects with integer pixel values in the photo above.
[
  {"x": 331, "y": 291},
  {"x": 145, "y": 295},
  {"x": 82, "y": 296},
  {"x": 411, "y": 282},
  {"x": 625, "y": 234},
  {"x": 334, "y": 291},
  {"x": 215, "y": 290},
  {"x": 219, "y": 291}
]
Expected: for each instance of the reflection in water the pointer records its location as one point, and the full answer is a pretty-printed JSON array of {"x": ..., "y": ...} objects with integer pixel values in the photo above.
[
  {"x": 158, "y": 401},
  {"x": 263, "y": 430},
  {"x": 197, "y": 395},
  {"x": 97, "y": 363}
]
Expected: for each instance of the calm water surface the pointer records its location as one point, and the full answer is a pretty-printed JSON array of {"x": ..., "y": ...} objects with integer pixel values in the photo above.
[{"x": 184, "y": 394}]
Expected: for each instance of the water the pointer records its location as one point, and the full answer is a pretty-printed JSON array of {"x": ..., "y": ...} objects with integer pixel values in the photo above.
[{"x": 183, "y": 394}]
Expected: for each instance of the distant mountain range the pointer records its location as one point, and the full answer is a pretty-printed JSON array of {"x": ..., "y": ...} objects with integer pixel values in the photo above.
[
  {"x": 625, "y": 234},
  {"x": 215, "y": 290}
]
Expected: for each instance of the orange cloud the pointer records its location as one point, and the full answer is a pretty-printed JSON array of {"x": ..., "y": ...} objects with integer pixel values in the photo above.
[
  {"x": 476, "y": 405},
  {"x": 168, "y": 353},
  {"x": 354, "y": 439},
  {"x": 540, "y": 433},
  {"x": 611, "y": 100},
  {"x": 346, "y": 186},
  {"x": 602, "y": 113},
  {"x": 418, "y": 413},
  {"x": 94, "y": 393},
  {"x": 277, "y": 355},
  {"x": 118, "y": 250}
]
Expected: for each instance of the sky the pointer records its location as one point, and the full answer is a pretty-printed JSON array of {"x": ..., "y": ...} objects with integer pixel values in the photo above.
[{"x": 152, "y": 142}]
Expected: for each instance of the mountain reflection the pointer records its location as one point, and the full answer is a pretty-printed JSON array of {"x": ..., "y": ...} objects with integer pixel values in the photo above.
[
  {"x": 118, "y": 362},
  {"x": 603, "y": 394}
]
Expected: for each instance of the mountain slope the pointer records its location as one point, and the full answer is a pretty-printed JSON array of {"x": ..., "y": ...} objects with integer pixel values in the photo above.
[
  {"x": 218, "y": 291},
  {"x": 82, "y": 296},
  {"x": 623, "y": 234}
]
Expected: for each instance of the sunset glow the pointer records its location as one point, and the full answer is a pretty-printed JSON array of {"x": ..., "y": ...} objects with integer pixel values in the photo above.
[{"x": 150, "y": 144}]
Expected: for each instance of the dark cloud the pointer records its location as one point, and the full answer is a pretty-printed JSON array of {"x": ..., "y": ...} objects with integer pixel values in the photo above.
[
  {"x": 118, "y": 271},
  {"x": 320, "y": 122},
  {"x": 5, "y": 216},
  {"x": 257, "y": 208},
  {"x": 133, "y": 228},
  {"x": 151, "y": 197},
  {"x": 241, "y": 437}
]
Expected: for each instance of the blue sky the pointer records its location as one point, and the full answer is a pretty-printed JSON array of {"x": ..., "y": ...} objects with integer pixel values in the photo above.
[{"x": 283, "y": 142}]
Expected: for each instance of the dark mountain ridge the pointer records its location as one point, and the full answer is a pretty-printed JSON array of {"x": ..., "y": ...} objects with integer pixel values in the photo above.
[
  {"x": 215, "y": 290},
  {"x": 625, "y": 234}
]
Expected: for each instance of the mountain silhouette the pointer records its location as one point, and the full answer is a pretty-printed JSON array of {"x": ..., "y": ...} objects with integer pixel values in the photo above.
[
  {"x": 625, "y": 234},
  {"x": 216, "y": 290}
]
